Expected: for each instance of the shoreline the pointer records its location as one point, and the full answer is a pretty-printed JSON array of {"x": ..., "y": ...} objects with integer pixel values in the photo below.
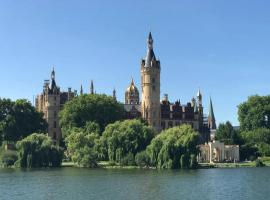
[{"x": 105, "y": 165}]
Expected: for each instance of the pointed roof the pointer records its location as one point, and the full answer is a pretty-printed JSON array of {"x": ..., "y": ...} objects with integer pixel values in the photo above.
[
  {"x": 211, "y": 117},
  {"x": 150, "y": 55},
  {"x": 92, "y": 87},
  {"x": 53, "y": 86},
  {"x": 114, "y": 93},
  {"x": 199, "y": 94},
  {"x": 132, "y": 87},
  {"x": 81, "y": 91}
]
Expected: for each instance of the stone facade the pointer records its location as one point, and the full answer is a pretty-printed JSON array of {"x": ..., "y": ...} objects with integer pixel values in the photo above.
[
  {"x": 216, "y": 151},
  {"x": 162, "y": 114},
  {"x": 50, "y": 102}
]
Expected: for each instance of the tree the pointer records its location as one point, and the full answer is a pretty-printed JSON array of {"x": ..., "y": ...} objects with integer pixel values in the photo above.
[
  {"x": 259, "y": 140},
  {"x": 19, "y": 119},
  {"x": 8, "y": 158},
  {"x": 38, "y": 150},
  {"x": 174, "y": 148},
  {"x": 121, "y": 141},
  {"x": 142, "y": 159},
  {"x": 227, "y": 134},
  {"x": 97, "y": 108},
  {"x": 254, "y": 113},
  {"x": 81, "y": 147}
]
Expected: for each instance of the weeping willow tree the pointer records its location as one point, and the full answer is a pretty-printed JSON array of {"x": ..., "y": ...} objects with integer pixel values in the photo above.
[
  {"x": 122, "y": 140},
  {"x": 174, "y": 148},
  {"x": 38, "y": 150}
]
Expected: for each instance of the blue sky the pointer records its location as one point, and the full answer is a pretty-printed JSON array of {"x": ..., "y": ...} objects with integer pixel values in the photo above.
[{"x": 219, "y": 46}]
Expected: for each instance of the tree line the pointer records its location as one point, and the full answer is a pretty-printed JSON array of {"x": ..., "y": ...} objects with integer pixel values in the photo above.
[
  {"x": 253, "y": 134},
  {"x": 94, "y": 130}
]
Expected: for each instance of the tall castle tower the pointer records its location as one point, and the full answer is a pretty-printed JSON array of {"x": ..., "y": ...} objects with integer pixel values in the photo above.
[
  {"x": 150, "y": 83},
  {"x": 49, "y": 103}
]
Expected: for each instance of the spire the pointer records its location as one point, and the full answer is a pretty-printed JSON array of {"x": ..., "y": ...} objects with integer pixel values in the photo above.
[
  {"x": 199, "y": 98},
  {"x": 211, "y": 117},
  {"x": 114, "y": 94},
  {"x": 53, "y": 74},
  {"x": 53, "y": 86},
  {"x": 199, "y": 95},
  {"x": 150, "y": 56},
  {"x": 81, "y": 91},
  {"x": 92, "y": 87}
]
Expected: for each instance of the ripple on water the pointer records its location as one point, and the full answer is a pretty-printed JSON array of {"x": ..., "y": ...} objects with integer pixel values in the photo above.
[{"x": 75, "y": 183}]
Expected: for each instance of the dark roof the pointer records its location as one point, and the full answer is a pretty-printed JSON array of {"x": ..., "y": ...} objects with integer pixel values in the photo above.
[
  {"x": 150, "y": 55},
  {"x": 211, "y": 117}
]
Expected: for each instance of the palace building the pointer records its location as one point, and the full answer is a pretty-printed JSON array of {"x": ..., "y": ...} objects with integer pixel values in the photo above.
[{"x": 159, "y": 113}]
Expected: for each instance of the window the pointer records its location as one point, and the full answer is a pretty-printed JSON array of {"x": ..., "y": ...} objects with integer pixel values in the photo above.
[
  {"x": 153, "y": 80},
  {"x": 154, "y": 88},
  {"x": 54, "y": 135},
  {"x": 55, "y": 114},
  {"x": 54, "y": 124}
]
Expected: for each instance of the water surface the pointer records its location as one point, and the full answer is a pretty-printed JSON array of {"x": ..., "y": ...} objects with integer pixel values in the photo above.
[{"x": 76, "y": 184}]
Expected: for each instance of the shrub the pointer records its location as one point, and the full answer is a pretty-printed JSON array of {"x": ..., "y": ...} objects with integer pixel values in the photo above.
[
  {"x": 38, "y": 150},
  {"x": 123, "y": 139},
  {"x": 128, "y": 160},
  {"x": 82, "y": 148},
  {"x": 142, "y": 159},
  {"x": 259, "y": 163},
  {"x": 174, "y": 148},
  {"x": 9, "y": 158}
]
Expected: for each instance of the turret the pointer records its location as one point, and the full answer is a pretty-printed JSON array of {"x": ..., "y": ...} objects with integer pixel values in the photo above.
[
  {"x": 199, "y": 103},
  {"x": 132, "y": 94},
  {"x": 150, "y": 83},
  {"x": 92, "y": 87},
  {"x": 114, "y": 94},
  {"x": 81, "y": 90}
]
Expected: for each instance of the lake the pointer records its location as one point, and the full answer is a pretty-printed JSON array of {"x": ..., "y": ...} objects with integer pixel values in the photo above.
[{"x": 75, "y": 184}]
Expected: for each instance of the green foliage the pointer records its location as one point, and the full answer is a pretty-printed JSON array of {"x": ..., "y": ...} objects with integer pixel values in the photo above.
[
  {"x": 128, "y": 160},
  {"x": 8, "y": 158},
  {"x": 38, "y": 150},
  {"x": 227, "y": 134},
  {"x": 142, "y": 159},
  {"x": 92, "y": 127},
  {"x": 81, "y": 147},
  {"x": 19, "y": 119},
  {"x": 259, "y": 163},
  {"x": 248, "y": 152},
  {"x": 258, "y": 139},
  {"x": 87, "y": 108},
  {"x": 121, "y": 141},
  {"x": 174, "y": 148},
  {"x": 254, "y": 113}
]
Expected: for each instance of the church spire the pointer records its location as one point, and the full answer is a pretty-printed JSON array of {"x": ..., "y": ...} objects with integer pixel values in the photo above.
[
  {"x": 53, "y": 74},
  {"x": 114, "y": 94},
  {"x": 81, "y": 91},
  {"x": 150, "y": 55},
  {"x": 211, "y": 117},
  {"x": 92, "y": 87},
  {"x": 53, "y": 86}
]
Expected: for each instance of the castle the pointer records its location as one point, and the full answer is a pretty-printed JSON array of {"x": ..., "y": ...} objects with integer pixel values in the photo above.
[{"x": 160, "y": 114}]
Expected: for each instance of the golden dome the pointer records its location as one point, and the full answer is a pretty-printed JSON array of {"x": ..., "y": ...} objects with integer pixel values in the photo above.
[{"x": 132, "y": 87}]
